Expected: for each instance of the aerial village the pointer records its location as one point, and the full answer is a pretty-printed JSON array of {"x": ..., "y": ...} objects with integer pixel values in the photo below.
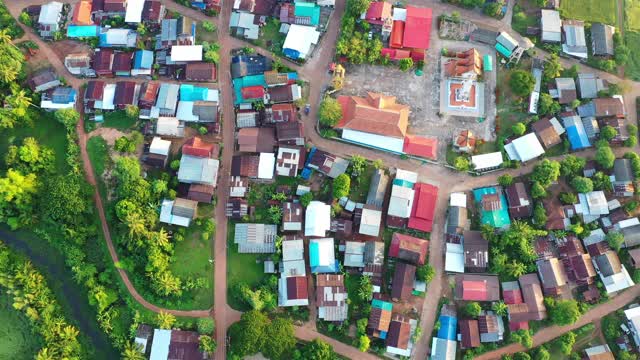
[{"x": 345, "y": 179}]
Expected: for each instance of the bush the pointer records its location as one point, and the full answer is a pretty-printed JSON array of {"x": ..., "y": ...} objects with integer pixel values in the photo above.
[
  {"x": 521, "y": 82},
  {"x": 472, "y": 309},
  {"x": 405, "y": 64},
  {"x": 582, "y": 184},
  {"x": 605, "y": 157},
  {"x": 206, "y": 326},
  {"x": 306, "y": 199},
  {"x": 175, "y": 165},
  {"x": 330, "y": 112},
  {"x": 568, "y": 198},
  {"x": 461, "y": 163},
  {"x": 505, "y": 180},
  {"x": 518, "y": 129},
  {"x": 341, "y": 186}
]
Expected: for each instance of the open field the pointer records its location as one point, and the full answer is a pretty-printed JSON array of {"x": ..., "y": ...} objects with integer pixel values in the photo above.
[
  {"x": 118, "y": 120},
  {"x": 632, "y": 68},
  {"x": 590, "y": 10},
  {"x": 241, "y": 268},
  {"x": 17, "y": 341},
  {"x": 632, "y": 15}
]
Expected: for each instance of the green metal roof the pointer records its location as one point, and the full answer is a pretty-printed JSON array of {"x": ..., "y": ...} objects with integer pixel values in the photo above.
[
  {"x": 310, "y": 10},
  {"x": 386, "y": 306}
]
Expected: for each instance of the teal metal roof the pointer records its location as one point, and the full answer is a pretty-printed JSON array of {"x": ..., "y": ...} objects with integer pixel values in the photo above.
[
  {"x": 190, "y": 92},
  {"x": 310, "y": 10},
  {"x": 497, "y": 218},
  {"x": 386, "y": 306},
  {"x": 251, "y": 80},
  {"x": 487, "y": 62},
  {"x": 503, "y": 50},
  {"x": 403, "y": 183},
  {"x": 78, "y": 31}
]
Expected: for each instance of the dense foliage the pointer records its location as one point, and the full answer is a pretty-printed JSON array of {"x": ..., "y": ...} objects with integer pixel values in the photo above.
[{"x": 512, "y": 251}]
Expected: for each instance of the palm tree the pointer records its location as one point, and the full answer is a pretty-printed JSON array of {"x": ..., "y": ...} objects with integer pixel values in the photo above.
[
  {"x": 165, "y": 320},
  {"x": 132, "y": 351},
  {"x": 45, "y": 353},
  {"x": 5, "y": 38},
  {"x": 207, "y": 344},
  {"x": 136, "y": 225},
  {"x": 161, "y": 238},
  {"x": 500, "y": 308},
  {"x": 168, "y": 284}
]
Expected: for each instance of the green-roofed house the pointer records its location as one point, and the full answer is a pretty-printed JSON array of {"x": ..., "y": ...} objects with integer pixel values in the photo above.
[
  {"x": 307, "y": 13},
  {"x": 493, "y": 207},
  {"x": 247, "y": 81}
]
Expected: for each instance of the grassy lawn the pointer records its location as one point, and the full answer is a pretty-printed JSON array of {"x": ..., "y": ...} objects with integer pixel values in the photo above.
[
  {"x": 521, "y": 20},
  {"x": 270, "y": 37},
  {"x": 511, "y": 109},
  {"x": 118, "y": 120},
  {"x": 17, "y": 341},
  {"x": 46, "y": 130},
  {"x": 98, "y": 153},
  {"x": 241, "y": 268},
  {"x": 632, "y": 15},
  {"x": 204, "y": 35},
  {"x": 360, "y": 189},
  {"x": 590, "y": 10},
  {"x": 632, "y": 68}
]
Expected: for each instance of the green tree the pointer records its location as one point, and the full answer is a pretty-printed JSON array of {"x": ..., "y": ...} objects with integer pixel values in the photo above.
[
  {"x": 132, "y": 111},
  {"x": 25, "y": 18},
  {"x": 562, "y": 312},
  {"x": 358, "y": 164},
  {"x": 518, "y": 129},
  {"x": 568, "y": 198},
  {"x": 552, "y": 68},
  {"x": 615, "y": 240},
  {"x": 523, "y": 337},
  {"x": 539, "y": 215},
  {"x": 541, "y": 353},
  {"x": 626, "y": 355},
  {"x": 341, "y": 186},
  {"x": 11, "y": 59},
  {"x": 208, "y": 26},
  {"x": 318, "y": 350},
  {"x": 249, "y": 334},
  {"x": 572, "y": 165},
  {"x": 306, "y": 198},
  {"x": 275, "y": 214},
  {"x": 461, "y": 163},
  {"x": 521, "y": 356},
  {"x": 425, "y": 273},
  {"x": 16, "y": 198},
  {"x": 405, "y": 64},
  {"x": 363, "y": 343},
  {"x": 547, "y": 106},
  {"x": 206, "y": 326},
  {"x": 632, "y": 141},
  {"x": 378, "y": 164},
  {"x": 545, "y": 172},
  {"x": 132, "y": 351},
  {"x": 30, "y": 157},
  {"x": 505, "y": 180},
  {"x": 361, "y": 325},
  {"x": 175, "y": 165},
  {"x": 601, "y": 181},
  {"x": 330, "y": 112},
  {"x": 68, "y": 117},
  {"x": 521, "y": 82},
  {"x": 472, "y": 309},
  {"x": 608, "y": 132},
  {"x": 365, "y": 288},
  {"x": 538, "y": 191},
  {"x": 500, "y": 308},
  {"x": 165, "y": 320},
  {"x": 280, "y": 339},
  {"x": 582, "y": 184},
  {"x": 566, "y": 342},
  {"x": 605, "y": 157},
  {"x": 207, "y": 344}
]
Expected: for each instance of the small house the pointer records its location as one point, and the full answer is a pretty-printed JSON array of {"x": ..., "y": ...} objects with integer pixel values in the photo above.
[
  {"x": 198, "y": 170},
  {"x": 178, "y": 212},
  {"x": 322, "y": 256},
  {"x": 402, "y": 283},
  {"x": 379, "y": 319},
  {"x": 241, "y": 24},
  {"x": 122, "y": 64},
  {"x": 59, "y": 98},
  {"x": 612, "y": 272},
  {"x": 575, "y": 43},
  {"x": 377, "y": 188},
  {"x": 471, "y": 287},
  {"x": 423, "y": 210},
  {"x": 469, "y": 334},
  {"x": 186, "y": 53},
  {"x": 370, "y": 221},
  {"x": 114, "y": 7},
  {"x": 82, "y": 13},
  {"x": 126, "y": 93},
  {"x": 49, "y": 19},
  {"x": 409, "y": 248},
  {"x": 553, "y": 277},
  {"x": 79, "y": 64},
  {"x": 103, "y": 62},
  {"x": 548, "y": 132},
  {"x": 153, "y": 12},
  {"x": 158, "y": 152},
  {"x": 142, "y": 63},
  {"x": 290, "y": 159},
  {"x": 491, "y": 327},
  {"x": 399, "y": 340},
  {"x": 169, "y": 126},
  {"x": 520, "y": 204},
  {"x": 204, "y": 193},
  {"x": 317, "y": 219},
  {"x": 167, "y": 99},
  {"x": 487, "y": 162},
  {"x": 565, "y": 90},
  {"x": 378, "y": 12},
  {"x": 331, "y": 297},
  {"x": 589, "y": 85},
  {"x": 326, "y": 163},
  {"x": 255, "y": 238},
  {"x": 623, "y": 178},
  {"x": 599, "y": 352},
  {"x": 602, "y": 39},
  {"x": 118, "y": 38},
  {"x": 176, "y": 344},
  {"x": 465, "y": 142},
  {"x": 524, "y": 148},
  {"x": 290, "y": 133},
  {"x": 257, "y": 139},
  {"x": 300, "y": 41},
  {"x": 292, "y": 291},
  {"x": 281, "y": 113},
  {"x": 476, "y": 252},
  {"x": 236, "y": 208},
  {"x": 44, "y": 80},
  {"x": 292, "y": 214},
  {"x": 200, "y": 72},
  {"x": 551, "y": 26},
  {"x": 248, "y": 65},
  {"x": 245, "y": 166},
  {"x": 133, "y": 14},
  {"x": 354, "y": 254},
  {"x": 292, "y": 263},
  {"x": 401, "y": 202}
]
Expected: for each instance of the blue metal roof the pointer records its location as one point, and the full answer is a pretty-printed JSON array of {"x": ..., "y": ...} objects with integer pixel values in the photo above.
[
  {"x": 448, "y": 327},
  {"x": 78, "y": 31},
  {"x": 143, "y": 59},
  {"x": 576, "y": 133}
]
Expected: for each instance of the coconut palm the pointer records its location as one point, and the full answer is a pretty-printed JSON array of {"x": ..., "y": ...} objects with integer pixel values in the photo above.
[
  {"x": 132, "y": 351},
  {"x": 500, "y": 308},
  {"x": 165, "y": 320}
]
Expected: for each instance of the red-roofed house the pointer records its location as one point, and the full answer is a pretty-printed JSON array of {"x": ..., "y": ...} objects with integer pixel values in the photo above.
[
  {"x": 417, "y": 29},
  {"x": 421, "y": 146},
  {"x": 424, "y": 204},
  {"x": 397, "y": 33},
  {"x": 376, "y": 121},
  {"x": 471, "y": 287},
  {"x": 197, "y": 147},
  {"x": 377, "y": 13},
  {"x": 252, "y": 92},
  {"x": 409, "y": 248}
]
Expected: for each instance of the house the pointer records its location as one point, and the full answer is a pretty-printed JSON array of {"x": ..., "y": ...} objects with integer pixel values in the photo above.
[
  {"x": 144, "y": 335},
  {"x": 300, "y": 41},
  {"x": 199, "y": 148},
  {"x": 566, "y": 90},
  {"x": 290, "y": 133},
  {"x": 623, "y": 178},
  {"x": 266, "y": 166},
  {"x": 291, "y": 216},
  {"x": 198, "y": 170},
  {"x": 577, "y": 263},
  {"x": 236, "y": 208},
  {"x": 377, "y": 188},
  {"x": 200, "y": 72},
  {"x": 289, "y": 160},
  {"x": 399, "y": 340},
  {"x": 102, "y": 62},
  {"x": 466, "y": 63},
  {"x": 176, "y": 344},
  {"x": 548, "y": 132},
  {"x": 465, "y": 142},
  {"x": 255, "y": 238},
  {"x": 258, "y": 139},
  {"x": 117, "y": 38},
  {"x": 126, "y": 93},
  {"x": 198, "y": 104},
  {"x": 326, "y": 163},
  {"x": 153, "y": 12},
  {"x": 469, "y": 334},
  {"x": 115, "y": 7},
  {"x": 472, "y": 287},
  {"x": 249, "y": 65},
  {"x": 520, "y": 204},
  {"x": 79, "y": 64},
  {"x": 147, "y": 100},
  {"x": 245, "y": 165},
  {"x": 443, "y": 349},
  {"x": 122, "y": 64},
  {"x": 238, "y": 186},
  {"x": 247, "y": 118},
  {"x": 178, "y": 212},
  {"x": 599, "y": 352},
  {"x": 44, "y": 80},
  {"x": 524, "y": 148},
  {"x": 244, "y": 5},
  {"x": 402, "y": 283},
  {"x": 511, "y": 295},
  {"x": 454, "y": 258},
  {"x": 158, "y": 152},
  {"x": 425, "y": 147},
  {"x": 370, "y": 220},
  {"x": 82, "y": 13},
  {"x": 292, "y": 291},
  {"x": 633, "y": 322},
  {"x": 59, "y": 98},
  {"x": 281, "y": 113},
  {"x": 612, "y": 273},
  {"x": 409, "y": 248},
  {"x": 180, "y": 31},
  {"x": 317, "y": 219},
  {"x": 331, "y": 297},
  {"x": 354, "y": 254},
  {"x": 169, "y": 126},
  {"x": 592, "y": 206},
  {"x": 142, "y": 63},
  {"x": 322, "y": 255},
  {"x": 186, "y": 53},
  {"x": 554, "y": 279},
  {"x": 487, "y": 162},
  {"x": 602, "y": 108},
  {"x": 491, "y": 327},
  {"x": 134, "y": 11},
  {"x": 242, "y": 24},
  {"x": 167, "y": 99},
  {"x": 528, "y": 306},
  {"x": 82, "y": 31},
  {"x": 476, "y": 252},
  {"x": 401, "y": 201},
  {"x": 374, "y": 261},
  {"x": 306, "y": 13},
  {"x": 417, "y": 29},
  {"x": 94, "y": 94},
  {"x": 204, "y": 193},
  {"x": 575, "y": 43},
  {"x": 631, "y": 232},
  {"x": 602, "y": 39},
  {"x": 379, "y": 319},
  {"x": 589, "y": 85},
  {"x": 292, "y": 263},
  {"x": 49, "y": 19},
  {"x": 457, "y": 222},
  {"x": 493, "y": 204},
  {"x": 551, "y": 26},
  {"x": 424, "y": 203},
  {"x": 284, "y": 93},
  {"x": 378, "y": 12}
]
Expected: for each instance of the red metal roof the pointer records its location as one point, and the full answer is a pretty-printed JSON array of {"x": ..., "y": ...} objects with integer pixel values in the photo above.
[
  {"x": 297, "y": 288},
  {"x": 421, "y": 146},
  {"x": 378, "y": 11},
  {"x": 397, "y": 33},
  {"x": 523, "y": 325},
  {"x": 252, "y": 92},
  {"x": 512, "y": 296},
  {"x": 424, "y": 204},
  {"x": 409, "y": 248},
  {"x": 197, "y": 147},
  {"x": 417, "y": 28},
  {"x": 474, "y": 290}
]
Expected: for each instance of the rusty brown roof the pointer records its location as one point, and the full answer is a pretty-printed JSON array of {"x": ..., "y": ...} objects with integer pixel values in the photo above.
[{"x": 470, "y": 334}]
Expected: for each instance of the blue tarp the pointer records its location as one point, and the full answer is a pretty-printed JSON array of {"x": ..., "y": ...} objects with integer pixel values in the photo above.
[
  {"x": 448, "y": 327},
  {"x": 291, "y": 53},
  {"x": 79, "y": 31},
  {"x": 143, "y": 59},
  {"x": 578, "y": 138}
]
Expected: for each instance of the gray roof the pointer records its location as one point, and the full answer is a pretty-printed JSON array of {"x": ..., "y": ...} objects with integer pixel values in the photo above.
[
  {"x": 608, "y": 263},
  {"x": 206, "y": 110},
  {"x": 169, "y": 30},
  {"x": 631, "y": 235},
  {"x": 602, "y": 39},
  {"x": 255, "y": 238},
  {"x": 588, "y": 85},
  {"x": 574, "y": 36},
  {"x": 457, "y": 219},
  {"x": 168, "y": 97},
  {"x": 377, "y": 189},
  {"x": 374, "y": 252},
  {"x": 443, "y": 349},
  {"x": 622, "y": 170},
  {"x": 197, "y": 170},
  {"x": 591, "y": 126},
  {"x": 339, "y": 167},
  {"x": 185, "y": 208}
]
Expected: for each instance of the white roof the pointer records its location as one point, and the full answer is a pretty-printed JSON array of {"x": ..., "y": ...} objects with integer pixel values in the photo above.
[
  {"x": 617, "y": 282},
  {"x": 134, "y": 11},
  {"x": 169, "y": 126},
  {"x": 401, "y": 201},
  {"x": 550, "y": 20},
  {"x": 292, "y": 250},
  {"x": 302, "y": 189},
  {"x": 633, "y": 314},
  {"x": 167, "y": 217},
  {"x": 458, "y": 199},
  {"x": 186, "y": 53},
  {"x": 557, "y": 126},
  {"x": 50, "y": 13},
  {"x": 594, "y": 237},
  {"x": 443, "y": 349},
  {"x": 487, "y": 161},
  {"x": 399, "y": 14},
  {"x": 454, "y": 260},
  {"x": 597, "y": 202},
  {"x": 160, "y": 345},
  {"x": 354, "y": 254},
  {"x": 108, "y": 95},
  {"x": 370, "y": 223},
  {"x": 159, "y": 146},
  {"x": 627, "y": 223},
  {"x": 407, "y": 175},
  {"x": 317, "y": 219},
  {"x": 301, "y": 38},
  {"x": 326, "y": 251},
  {"x": 266, "y": 165},
  {"x": 48, "y": 104},
  {"x": 123, "y": 37},
  {"x": 524, "y": 148},
  {"x": 185, "y": 111},
  {"x": 198, "y": 170}
]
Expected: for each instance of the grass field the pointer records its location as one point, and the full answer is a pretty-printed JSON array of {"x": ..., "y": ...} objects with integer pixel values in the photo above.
[
  {"x": 632, "y": 15},
  {"x": 46, "y": 130},
  {"x": 632, "y": 38},
  {"x": 98, "y": 153},
  {"x": 360, "y": 189},
  {"x": 590, "y": 10},
  {"x": 118, "y": 120},
  {"x": 241, "y": 268},
  {"x": 17, "y": 341},
  {"x": 270, "y": 37}
]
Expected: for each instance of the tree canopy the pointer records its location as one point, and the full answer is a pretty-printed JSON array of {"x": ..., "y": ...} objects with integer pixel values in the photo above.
[
  {"x": 318, "y": 350},
  {"x": 562, "y": 312},
  {"x": 605, "y": 157},
  {"x": 330, "y": 112},
  {"x": 341, "y": 186},
  {"x": 546, "y": 172},
  {"x": 582, "y": 184},
  {"x": 512, "y": 251},
  {"x": 521, "y": 82},
  {"x": 572, "y": 165}
]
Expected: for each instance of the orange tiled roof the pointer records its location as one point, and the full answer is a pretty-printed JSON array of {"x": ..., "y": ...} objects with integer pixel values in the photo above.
[
  {"x": 82, "y": 13},
  {"x": 376, "y": 114}
]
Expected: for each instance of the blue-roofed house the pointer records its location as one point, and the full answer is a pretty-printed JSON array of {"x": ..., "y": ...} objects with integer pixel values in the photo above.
[
  {"x": 197, "y": 104},
  {"x": 379, "y": 318},
  {"x": 576, "y": 133},
  {"x": 142, "y": 63},
  {"x": 59, "y": 98},
  {"x": 322, "y": 257},
  {"x": 493, "y": 207},
  {"x": 448, "y": 327},
  {"x": 244, "y": 65},
  {"x": 82, "y": 31}
]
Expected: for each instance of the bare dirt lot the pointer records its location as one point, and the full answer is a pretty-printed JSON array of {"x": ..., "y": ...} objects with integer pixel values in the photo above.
[
  {"x": 422, "y": 93},
  {"x": 66, "y": 47}
]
